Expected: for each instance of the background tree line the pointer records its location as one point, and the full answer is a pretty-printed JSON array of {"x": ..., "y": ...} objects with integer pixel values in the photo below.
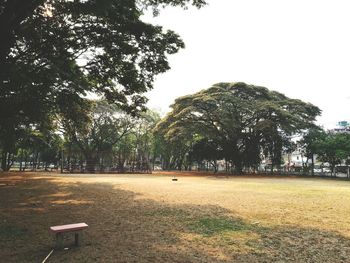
[
  {"x": 243, "y": 125},
  {"x": 54, "y": 53},
  {"x": 235, "y": 123},
  {"x": 107, "y": 139}
]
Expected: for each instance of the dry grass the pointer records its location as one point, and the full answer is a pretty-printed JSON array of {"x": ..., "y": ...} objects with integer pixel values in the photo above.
[{"x": 149, "y": 218}]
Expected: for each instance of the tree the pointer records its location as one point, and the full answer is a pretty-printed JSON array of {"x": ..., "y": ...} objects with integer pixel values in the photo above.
[
  {"x": 333, "y": 148},
  {"x": 311, "y": 142},
  {"x": 137, "y": 148},
  {"x": 206, "y": 150},
  {"x": 97, "y": 136},
  {"x": 243, "y": 119},
  {"x": 54, "y": 51},
  {"x": 39, "y": 143},
  {"x": 144, "y": 139},
  {"x": 109, "y": 139},
  {"x": 176, "y": 142}
]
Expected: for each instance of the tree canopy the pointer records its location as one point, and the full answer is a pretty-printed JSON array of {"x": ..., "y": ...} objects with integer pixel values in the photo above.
[
  {"x": 53, "y": 49},
  {"x": 244, "y": 121},
  {"x": 109, "y": 139},
  {"x": 105, "y": 127},
  {"x": 54, "y": 53},
  {"x": 333, "y": 148}
]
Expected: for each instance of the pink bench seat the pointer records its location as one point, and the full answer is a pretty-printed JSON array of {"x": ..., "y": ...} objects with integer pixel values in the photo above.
[
  {"x": 68, "y": 228},
  {"x": 60, "y": 230}
]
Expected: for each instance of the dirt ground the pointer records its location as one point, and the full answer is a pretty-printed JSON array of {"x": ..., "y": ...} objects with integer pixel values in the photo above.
[{"x": 150, "y": 218}]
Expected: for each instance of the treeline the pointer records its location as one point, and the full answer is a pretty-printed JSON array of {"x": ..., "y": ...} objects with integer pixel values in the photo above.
[
  {"x": 54, "y": 54},
  {"x": 244, "y": 125},
  {"x": 104, "y": 138},
  {"x": 234, "y": 125}
]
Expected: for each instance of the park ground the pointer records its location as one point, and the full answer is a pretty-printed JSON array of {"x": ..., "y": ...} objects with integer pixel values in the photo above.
[{"x": 150, "y": 218}]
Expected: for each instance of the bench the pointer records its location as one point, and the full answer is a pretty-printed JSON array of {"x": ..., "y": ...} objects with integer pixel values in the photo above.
[{"x": 74, "y": 228}]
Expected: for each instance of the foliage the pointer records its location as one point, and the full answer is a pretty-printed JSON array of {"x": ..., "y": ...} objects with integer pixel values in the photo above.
[
  {"x": 206, "y": 150},
  {"x": 175, "y": 145},
  {"x": 137, "y": 148},
  {"x": 244, "y": 120},
  {"x": 311, "y": 140},
  {"x": 333, "y": 148},
  {"x": 109, "y": 138},
  {"x": 106, "y": 127},
  {"x": 83, "y": 46},
  {"x": 29, "y": 144},
  {"x": 53, "y": 53}
]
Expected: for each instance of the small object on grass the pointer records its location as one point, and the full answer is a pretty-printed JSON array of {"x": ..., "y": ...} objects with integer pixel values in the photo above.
[
  {"x": 47, "y": 256},
  {"x": 74, "y": 228}
]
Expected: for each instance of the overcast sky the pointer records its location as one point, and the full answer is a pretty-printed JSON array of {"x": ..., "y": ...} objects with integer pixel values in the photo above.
[{"x": 298, "y": 47}]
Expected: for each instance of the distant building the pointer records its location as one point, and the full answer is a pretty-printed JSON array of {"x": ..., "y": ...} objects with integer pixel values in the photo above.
[
  {"x": 295, "y": 160},
  {"x": 343, "y": 126}
]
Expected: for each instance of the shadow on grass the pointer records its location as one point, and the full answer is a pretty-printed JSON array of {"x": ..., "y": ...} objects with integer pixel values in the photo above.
[{"x": 126, "y": 228}]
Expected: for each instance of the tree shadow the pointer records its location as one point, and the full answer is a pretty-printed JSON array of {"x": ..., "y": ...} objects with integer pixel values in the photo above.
[{"x": 126, "y": 228}]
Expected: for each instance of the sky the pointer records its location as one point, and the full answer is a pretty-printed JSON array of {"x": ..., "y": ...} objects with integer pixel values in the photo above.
[{"x": 300, "y": 48}]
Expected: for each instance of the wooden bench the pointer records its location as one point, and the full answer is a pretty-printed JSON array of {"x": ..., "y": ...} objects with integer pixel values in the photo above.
[{"x": 60, "y": 230}]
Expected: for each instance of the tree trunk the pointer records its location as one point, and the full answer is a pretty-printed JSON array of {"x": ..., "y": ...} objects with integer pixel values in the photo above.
[
  {"x": 34, "y": 161},
  {"x": 4, "y": 161},
  {"x": 62, "y": 161},
  {"x": 20, "y": 160},
  {"x": 90, "y": 164},
  {"x": 81, "y": 165},
  {"x": 9, "y": 161},
  {"x": 25, "y": 162},
  {"x": 271, "y": 171},
  {"x": 101, "y": 164},
  {"x": 38, "y": 161}
]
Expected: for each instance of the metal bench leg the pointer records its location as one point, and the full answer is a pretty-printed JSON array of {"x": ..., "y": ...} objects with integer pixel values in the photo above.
[
  {"x": 59, "y": 240},
  {"x": 77, "y": 239}
]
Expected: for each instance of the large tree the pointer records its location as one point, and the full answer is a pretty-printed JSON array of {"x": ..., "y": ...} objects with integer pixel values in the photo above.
[
  {"x": 109, "y": 138},
  {"x": 53, "y": 53},
  {"x": 311, "y": 142},
  {"x": 137, "y": 149},
  {"x": 333, "y": 148},
  {"x": 15, "y": 14},
  {"x": 54, "y": 46},
  {"x": 96, "y": 136},
  {"x": 244, "y": 120}
]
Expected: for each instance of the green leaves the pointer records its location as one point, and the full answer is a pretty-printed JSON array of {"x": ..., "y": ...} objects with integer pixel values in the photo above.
[
  {"x": 55, "y": 52},
  {"x": 243, "y": 120},
  {"x": 332, "y": 148}
]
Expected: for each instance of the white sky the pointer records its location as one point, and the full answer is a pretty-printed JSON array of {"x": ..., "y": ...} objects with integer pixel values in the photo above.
[{"x": 298, "y": 47}]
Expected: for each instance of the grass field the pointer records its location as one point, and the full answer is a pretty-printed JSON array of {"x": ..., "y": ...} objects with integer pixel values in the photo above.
[{"x": 149, "y": 218}]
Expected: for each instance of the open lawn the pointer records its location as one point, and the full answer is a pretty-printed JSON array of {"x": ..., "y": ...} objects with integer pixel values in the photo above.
[{"x": 149, "y": 218}]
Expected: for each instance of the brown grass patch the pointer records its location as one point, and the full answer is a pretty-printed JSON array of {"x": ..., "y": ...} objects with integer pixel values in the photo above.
[{"x": 149, "y": 218}]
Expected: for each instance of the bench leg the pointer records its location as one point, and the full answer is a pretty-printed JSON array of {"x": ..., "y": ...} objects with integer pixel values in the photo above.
[
  {"x": 59, "y": 240},
  {"x": 77, "y": 241}
]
